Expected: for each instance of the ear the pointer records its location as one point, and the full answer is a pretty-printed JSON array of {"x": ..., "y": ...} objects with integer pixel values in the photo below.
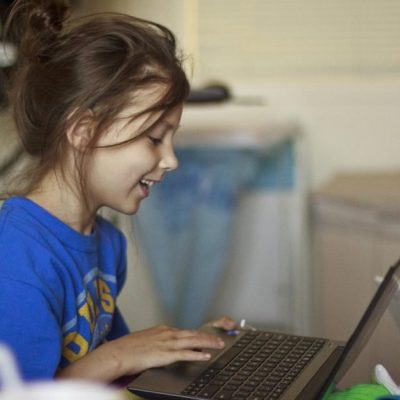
[{"x": 80, "y": 132}]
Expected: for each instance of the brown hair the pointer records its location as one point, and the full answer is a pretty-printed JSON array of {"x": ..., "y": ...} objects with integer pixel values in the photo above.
[{"x": 66, "y": 67}]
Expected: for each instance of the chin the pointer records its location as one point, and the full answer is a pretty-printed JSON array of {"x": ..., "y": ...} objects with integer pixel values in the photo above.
[
  {"x": 129, "y": 209},
  {"x": 127, "y": 204}
]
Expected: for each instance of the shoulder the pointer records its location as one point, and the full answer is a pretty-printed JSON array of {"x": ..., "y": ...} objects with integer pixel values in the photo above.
[
  {"x": 19, "y": 229},
  {"x": 20, "y": 237},
  {"x": 17, "y": 219},
  {"x": 25, "y": 254}
]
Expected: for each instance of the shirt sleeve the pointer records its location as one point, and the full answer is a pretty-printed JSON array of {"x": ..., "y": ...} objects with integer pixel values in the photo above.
[{"x": 30, "y": 329}]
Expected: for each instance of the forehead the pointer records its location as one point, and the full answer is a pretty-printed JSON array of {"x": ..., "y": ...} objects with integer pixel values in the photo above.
[
  {"x": 142, "y": 99},
  {"x": 133, "y": 120},
  {"x": 135, "y": 114}
]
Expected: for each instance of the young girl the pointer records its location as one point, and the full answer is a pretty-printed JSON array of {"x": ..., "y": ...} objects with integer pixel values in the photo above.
[{"x": 96, "y": 104}]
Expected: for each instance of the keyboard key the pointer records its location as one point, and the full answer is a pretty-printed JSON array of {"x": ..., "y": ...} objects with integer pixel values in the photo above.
[
  {"x": 232, "y": 386},
  {"x": 261, "y": 394},
  {"x": 246, "y": 389},
  {"x": 244, "y": 392},
  {"x": 219, "y": 382},
  {"x": 239, "y": 396},
  {"x": 224, "y": 394},
  {"x": 238, "y": 379},
  {"x": 209, "y": 391}
]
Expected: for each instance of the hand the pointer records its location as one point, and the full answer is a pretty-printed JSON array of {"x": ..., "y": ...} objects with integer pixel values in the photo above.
[
  {"x": 162, "y": 345},
  {"x": 225, "y": 322}
]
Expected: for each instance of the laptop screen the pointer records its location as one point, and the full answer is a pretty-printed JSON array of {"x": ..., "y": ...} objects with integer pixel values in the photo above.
[{"x": 366, "y": 326}]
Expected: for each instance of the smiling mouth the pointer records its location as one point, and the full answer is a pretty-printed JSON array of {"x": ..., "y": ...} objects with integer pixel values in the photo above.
[{"x": 146, "y": 184}]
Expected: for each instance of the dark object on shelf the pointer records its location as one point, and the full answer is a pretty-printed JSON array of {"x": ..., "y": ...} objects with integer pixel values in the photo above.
[{"x": 209, "y": 94}]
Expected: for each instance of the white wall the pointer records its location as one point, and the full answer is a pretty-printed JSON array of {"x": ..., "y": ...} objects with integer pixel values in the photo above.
[
  {"x": 347, "y": 125},
  {"x": 170, "y": 13}
]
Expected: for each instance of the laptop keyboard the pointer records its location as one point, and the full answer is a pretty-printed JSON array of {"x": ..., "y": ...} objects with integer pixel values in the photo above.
[{"x": 259, "y": 365}]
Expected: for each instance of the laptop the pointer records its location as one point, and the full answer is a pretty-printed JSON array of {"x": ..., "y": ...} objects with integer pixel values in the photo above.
[{"x": 268, "y": 365}]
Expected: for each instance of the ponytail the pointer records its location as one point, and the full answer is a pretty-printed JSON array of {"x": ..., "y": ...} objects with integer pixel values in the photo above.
[{"x": 35, "y": 25}]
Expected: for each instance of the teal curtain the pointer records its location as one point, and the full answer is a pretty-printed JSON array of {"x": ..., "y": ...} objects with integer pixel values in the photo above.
[{"x": 185, "y": 226}]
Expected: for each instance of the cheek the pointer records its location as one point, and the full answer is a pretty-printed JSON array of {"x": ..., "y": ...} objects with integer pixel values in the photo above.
[
  {"x": 144, "y": 158},
  {"x": 139, "y": 162},
  {"x": 125, "y": 164}
]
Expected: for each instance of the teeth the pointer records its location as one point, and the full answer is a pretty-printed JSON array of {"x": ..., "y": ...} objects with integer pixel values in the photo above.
[{"x": 147, "y": 182}]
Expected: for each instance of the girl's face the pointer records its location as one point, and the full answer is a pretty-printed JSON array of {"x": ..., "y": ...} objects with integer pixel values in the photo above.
[{"x": 121, "y": 177}]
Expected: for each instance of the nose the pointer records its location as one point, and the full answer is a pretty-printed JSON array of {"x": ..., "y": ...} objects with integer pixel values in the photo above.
[{"x": 168, "y": 161}]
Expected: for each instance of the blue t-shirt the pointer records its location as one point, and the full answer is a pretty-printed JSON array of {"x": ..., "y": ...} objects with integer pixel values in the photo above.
[{"x": 58, "y": 287}]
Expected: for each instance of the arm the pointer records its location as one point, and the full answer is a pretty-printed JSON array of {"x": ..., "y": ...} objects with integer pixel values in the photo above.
[
  {"x": 136, "y": 352},
  {"x": 30, "y": 328}
]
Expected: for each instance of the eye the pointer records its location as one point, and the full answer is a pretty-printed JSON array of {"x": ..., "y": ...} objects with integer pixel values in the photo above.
[{"x": 155, "y": 141}]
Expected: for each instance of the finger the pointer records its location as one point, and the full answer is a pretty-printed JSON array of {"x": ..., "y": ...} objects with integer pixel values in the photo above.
[
  {"x": 198, "y": 342},
  {"x": 190, "y": 355},
  {"x": 183, "y": 334},
  {"x": 156, "y": 330},
  {"x": 164, "y": 332},
  {"x": 168, "y": 357},
  {"x": 224, "y": 322}
]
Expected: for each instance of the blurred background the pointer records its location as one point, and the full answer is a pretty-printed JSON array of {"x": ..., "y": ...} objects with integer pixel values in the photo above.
[{"x": 287, "y": 203}]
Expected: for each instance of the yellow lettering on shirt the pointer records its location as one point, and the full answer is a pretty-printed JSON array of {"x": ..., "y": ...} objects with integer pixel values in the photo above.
[
  {"x": 78, "y": 340},
  {"x": 106, "y": 298}
]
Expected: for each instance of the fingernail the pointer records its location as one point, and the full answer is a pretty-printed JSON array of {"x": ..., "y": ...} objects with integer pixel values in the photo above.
[
  {"x": 206, "y": 356},
  {"x": 221, "y": 343}
]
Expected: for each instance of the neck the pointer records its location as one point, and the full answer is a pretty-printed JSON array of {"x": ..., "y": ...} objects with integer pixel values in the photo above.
[{"x": 62, "y": 201}]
